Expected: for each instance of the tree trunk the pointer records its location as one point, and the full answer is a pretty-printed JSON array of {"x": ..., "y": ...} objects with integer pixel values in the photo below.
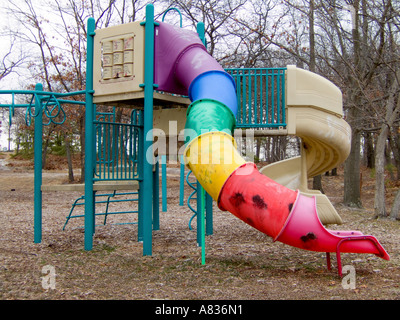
[
  {"x": 394, "y": 142},
  {"x": 312, "y": 37},
  {"x": 69, "y": 158},
  {"x": 46, "y": 145},
  {"x": 352, "y": 195},
  {"x": 258, "y": 148},
  {"x": 317, "y": 183},
  {"x": 369, "y": 150},
  {"x": 392, "y": 109},
  {"x": 395, "y": 211},
  {"x": 317, "y": 180},
  {"x": 379, "y": 204},
  {"x": 267, "y": 148}
]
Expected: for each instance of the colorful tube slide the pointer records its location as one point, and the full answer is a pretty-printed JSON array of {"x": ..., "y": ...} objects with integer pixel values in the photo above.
[{"x": 183, "y": 66}]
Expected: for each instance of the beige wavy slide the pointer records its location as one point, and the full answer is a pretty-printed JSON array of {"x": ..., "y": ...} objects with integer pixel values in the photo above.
[{"x": 315, "y": 114}]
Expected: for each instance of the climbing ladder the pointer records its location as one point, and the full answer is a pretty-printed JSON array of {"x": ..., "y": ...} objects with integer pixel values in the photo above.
[{"x": 117, "y": 146}]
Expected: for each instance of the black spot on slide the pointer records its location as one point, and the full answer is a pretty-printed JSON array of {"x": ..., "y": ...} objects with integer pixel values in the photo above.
[
  {"x": 237, "y": 199},
  {"x": 259, "y": 202}
]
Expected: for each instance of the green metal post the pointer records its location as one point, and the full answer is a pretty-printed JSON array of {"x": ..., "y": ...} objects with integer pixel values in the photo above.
[
  {"x": 201, "y": 222},
  {"x": 209, "y": 215},
  {"x": 141, "y": 157},
  {"x": 199, "y": 209},
  {"x": 164, "y": 182},
  {"x": 182, "y": 182},
  {"x": 278, "y": 87},
  {"x": 201, "y": 33},
  {"x": 272, "y": 97},
  {"x": 89, "y": 140},
  {"x": 283, "y": 98},
  {"x": 38, "y": 167},
  {"x": 156, "y": 197},
  {"x": 147, "y": 181}
]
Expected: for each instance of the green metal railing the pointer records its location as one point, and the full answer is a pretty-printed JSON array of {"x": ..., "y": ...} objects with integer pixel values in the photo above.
[
  {"x": 261, "y": 97},
  {"x": 117, "y": 147},
  {"x": 51, "y": 104}
]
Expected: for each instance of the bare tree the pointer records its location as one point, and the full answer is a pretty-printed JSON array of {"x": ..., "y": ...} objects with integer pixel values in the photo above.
[
  {"x": 392, "y": 111},
  {"x": 216, "y": 16},
  {"x": 10, "y": 63}
]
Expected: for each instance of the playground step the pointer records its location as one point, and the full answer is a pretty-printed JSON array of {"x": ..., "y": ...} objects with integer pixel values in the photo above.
[{"x": 97, "y": 186}]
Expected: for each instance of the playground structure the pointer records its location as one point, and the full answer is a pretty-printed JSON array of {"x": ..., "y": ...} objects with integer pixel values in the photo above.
[{"x": 164, "y": 72}]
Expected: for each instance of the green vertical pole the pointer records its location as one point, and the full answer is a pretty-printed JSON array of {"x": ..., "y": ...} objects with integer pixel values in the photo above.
[
  {"x": 141, "y": 157},
  {"x": 201, "y": 222},
  {"x": 199, "y": 209},
  {"x": 38, "y": 167},
  {"x": 89, "y": 139},
  {"x": 156, "y": 197},
  {"x": 164, "y": 182},
  {"x": 201, "y": 33},
  {"x": 283, "y": 98},
  {"x": 272, "y": 96},
  {"x": 278, "y": 106},
  {"x": 147, "y": 182},
  {"x": 201, "y": 200},
  {"x": 182, "y": 182},
  {"x": 209, "y": 215}
]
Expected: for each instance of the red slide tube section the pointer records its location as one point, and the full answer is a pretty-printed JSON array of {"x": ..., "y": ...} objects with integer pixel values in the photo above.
[{"x": 257, "y": 200}]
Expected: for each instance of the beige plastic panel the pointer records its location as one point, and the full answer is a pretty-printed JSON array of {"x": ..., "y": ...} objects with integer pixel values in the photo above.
[
  {"x": 170, "y": 121},
  {"x": 118, "y": 60},
  {"x": 325, "y": 136},
  {"x": 305, "y": 88},
  {"x": 286, "y": 172},
  {"x": 314, "y": 113}
]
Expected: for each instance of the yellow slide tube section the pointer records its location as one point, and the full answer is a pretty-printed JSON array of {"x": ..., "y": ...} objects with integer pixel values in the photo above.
[{"x": 213, "y": 157}]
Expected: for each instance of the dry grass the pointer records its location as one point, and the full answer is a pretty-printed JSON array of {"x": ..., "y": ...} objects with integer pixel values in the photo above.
[{"x": 241, "y": 263}]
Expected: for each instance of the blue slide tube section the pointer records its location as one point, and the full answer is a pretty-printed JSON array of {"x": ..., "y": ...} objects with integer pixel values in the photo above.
[{"x": 216, "y": 85}]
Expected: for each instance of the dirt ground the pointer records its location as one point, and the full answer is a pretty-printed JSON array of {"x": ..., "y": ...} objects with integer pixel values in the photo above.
[{"x": 241, "y": 263}]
